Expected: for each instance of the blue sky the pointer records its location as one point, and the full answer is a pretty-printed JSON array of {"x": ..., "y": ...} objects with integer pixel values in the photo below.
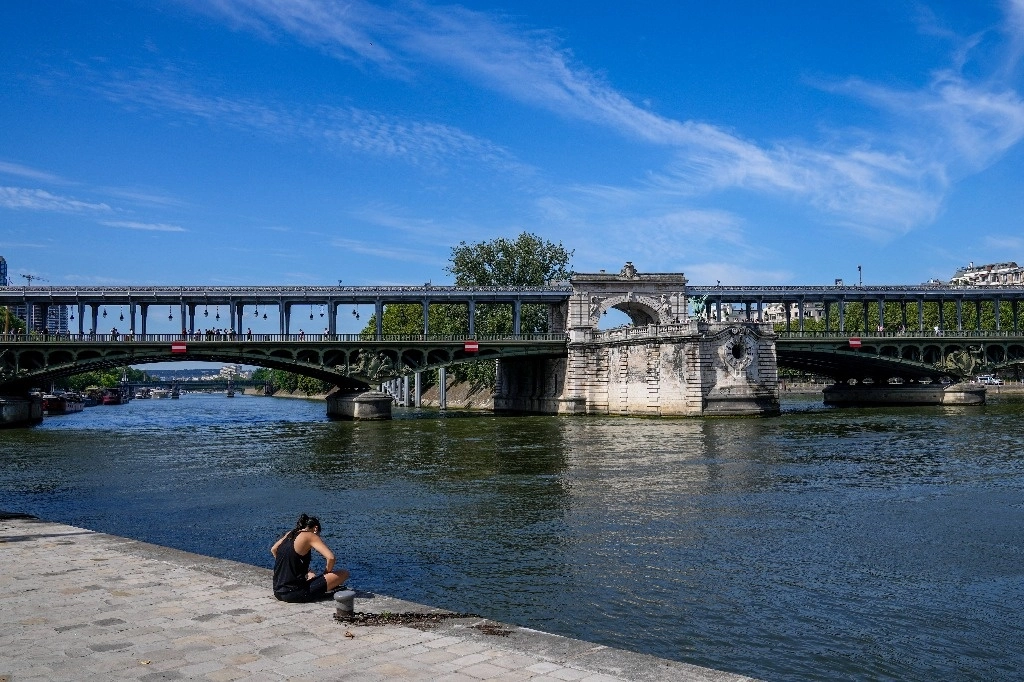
[{"x": 303, "y": 142}]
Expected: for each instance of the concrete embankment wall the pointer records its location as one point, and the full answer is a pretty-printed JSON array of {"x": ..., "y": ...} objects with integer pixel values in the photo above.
[{"x": 15, "y": 411}]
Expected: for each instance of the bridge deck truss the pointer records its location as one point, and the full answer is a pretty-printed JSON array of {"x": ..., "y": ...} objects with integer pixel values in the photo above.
[
  {"x": 907, "y": 357},
  {"x": 349, "y": 362}
]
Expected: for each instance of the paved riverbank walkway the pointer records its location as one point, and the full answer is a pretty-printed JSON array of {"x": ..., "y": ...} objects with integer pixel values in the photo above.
[{"x": 80, "y": 605}]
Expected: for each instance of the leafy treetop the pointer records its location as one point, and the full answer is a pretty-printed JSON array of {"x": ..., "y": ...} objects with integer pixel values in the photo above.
[{"x": 527, "y": 261}]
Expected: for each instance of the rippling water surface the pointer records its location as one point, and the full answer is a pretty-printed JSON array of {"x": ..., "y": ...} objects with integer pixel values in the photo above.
[{"x": 822, "y": 544}]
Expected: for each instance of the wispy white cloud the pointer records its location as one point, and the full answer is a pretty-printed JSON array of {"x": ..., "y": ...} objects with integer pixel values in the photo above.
[
  {"x": 127, "y": 194},
  {"x": 146, "y": 227},
  {"x": 734, "y": 274},
  {"x": 880, "y": 184},
  {"x": 136, "y": 196},
  {"x": 40, "y": 200},
  {"x": 420, "y": 143},
  {"x": 964, "y": 126},
  {"x": 22, "y": 245},
  {"x": 1004, "y": 243},
  {"x": 425, "y": 230},
  {"x": 387, "y": 252},
  {"x": 1014, "y": 31},
  {"x": 7, "y": 168}
]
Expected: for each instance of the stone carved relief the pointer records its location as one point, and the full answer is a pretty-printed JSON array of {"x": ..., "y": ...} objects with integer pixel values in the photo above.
[
  {"x": 373, "y": 366},
  {"x": 699, "y": 306},
  {"x": 963, "y": 363},
  {"x": 737, "y": 352},
  {"x": 628, "y": 271}
]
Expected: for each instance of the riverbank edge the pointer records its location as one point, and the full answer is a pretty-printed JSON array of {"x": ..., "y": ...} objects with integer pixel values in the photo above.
[
  {"x": 602, "y": 663},
  {"x": 464, "y": 396}
]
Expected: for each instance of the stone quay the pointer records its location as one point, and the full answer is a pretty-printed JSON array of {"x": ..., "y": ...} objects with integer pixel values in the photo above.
[{"x": 81, "y": 605}]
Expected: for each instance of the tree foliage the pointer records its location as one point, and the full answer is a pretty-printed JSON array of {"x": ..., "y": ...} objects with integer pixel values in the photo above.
[
  {"x": 106, "y": 378},
  {"x": 526, "y": 261},
  {"x": 893, "y": 318},
  {"x": 10, "y": 323},
  {"x": 289, "y": 381}
]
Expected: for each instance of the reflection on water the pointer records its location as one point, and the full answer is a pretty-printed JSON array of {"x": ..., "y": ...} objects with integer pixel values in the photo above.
[{"x": 821, "y": 544}]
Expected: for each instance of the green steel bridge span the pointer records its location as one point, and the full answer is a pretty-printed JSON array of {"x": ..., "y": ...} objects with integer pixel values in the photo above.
[
  {"x": 354, "y": 361},
  {"x": 348, "y": 361},
  {"x": 909, "y": 356}
]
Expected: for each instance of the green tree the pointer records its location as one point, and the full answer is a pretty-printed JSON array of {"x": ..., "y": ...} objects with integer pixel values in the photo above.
[
  {"x": 893, "y": 319},
  {"x": 526, "y": 261},
  {"x": 10, "y": 323},
  {"x": 107, "y": 378},
  {"x": 291, "y": 382}
]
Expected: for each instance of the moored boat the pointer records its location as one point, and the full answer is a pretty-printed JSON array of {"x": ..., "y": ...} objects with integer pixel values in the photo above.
[
  {"x": 53, "y": 404},
  {"x": 73, "y": 402},
  {"x": 112, "y": 396}
]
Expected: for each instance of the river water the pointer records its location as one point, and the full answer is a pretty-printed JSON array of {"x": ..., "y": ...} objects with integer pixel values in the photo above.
[{"x": 821, "y": 544}]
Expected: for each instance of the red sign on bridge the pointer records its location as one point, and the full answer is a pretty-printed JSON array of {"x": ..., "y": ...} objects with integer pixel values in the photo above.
[
  {"x": 178, "y": 347},
  {"x": 472, "y": 346},
  {"x": 855, "y": 342}
]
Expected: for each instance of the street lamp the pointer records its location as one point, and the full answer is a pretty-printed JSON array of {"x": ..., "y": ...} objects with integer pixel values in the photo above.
[{"x": 860, "y": 279}]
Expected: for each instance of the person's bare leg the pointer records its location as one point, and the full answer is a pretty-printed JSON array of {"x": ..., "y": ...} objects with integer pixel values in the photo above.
[{"x": 336, "y": 579}]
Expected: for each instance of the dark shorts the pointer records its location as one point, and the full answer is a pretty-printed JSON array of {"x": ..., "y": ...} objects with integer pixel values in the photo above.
[{"x": 314, "y": 590}]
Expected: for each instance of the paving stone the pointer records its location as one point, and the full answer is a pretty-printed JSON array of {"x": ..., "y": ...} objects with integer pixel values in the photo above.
[
  {"x": 568, "y": 674},
  {"x": 142, "y": 612},
  {"x": 483, "y": 671}
]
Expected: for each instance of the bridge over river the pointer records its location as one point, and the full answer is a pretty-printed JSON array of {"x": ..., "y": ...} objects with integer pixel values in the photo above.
[{"x": 688, "y": 350}]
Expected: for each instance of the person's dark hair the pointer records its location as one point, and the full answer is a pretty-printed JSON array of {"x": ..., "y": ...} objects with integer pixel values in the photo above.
[{"x": 305, "y": 522}]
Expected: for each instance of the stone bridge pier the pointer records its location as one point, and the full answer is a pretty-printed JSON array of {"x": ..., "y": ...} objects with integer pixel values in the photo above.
[{"x": 665, "y": 363}]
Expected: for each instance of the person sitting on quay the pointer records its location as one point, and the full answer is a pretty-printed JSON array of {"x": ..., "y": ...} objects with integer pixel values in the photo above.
[{"x": 293, "y": 581}]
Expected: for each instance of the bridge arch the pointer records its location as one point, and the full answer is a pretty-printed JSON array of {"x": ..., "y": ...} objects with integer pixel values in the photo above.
[
  {"x": 642, "y": 310},
  {"x": 350, "y": 364}
]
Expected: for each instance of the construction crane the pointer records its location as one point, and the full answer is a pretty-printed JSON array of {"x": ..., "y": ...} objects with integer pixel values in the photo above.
[{"x": 28, "y": 316}]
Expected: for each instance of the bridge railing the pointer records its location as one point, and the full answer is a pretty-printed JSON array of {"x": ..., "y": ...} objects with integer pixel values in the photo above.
[
  {"x": 197, "y": 337},
  {"x": 909, "y": 333}
]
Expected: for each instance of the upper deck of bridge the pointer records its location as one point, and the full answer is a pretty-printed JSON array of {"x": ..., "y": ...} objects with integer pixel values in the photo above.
[{"x": 551, "y": 294}]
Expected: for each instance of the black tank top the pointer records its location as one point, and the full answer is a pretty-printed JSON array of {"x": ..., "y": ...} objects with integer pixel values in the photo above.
[{"x": 290, "y": 568}]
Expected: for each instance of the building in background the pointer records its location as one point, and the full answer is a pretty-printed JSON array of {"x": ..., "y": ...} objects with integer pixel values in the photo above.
[
  {"x": 55, "y": 320},
  {"x": 993, "y": 274},
  {"x": 776, "y": 312}
]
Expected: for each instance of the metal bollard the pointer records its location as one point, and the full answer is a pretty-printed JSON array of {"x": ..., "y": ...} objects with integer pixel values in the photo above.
[{"x": 344, "y": 602}]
